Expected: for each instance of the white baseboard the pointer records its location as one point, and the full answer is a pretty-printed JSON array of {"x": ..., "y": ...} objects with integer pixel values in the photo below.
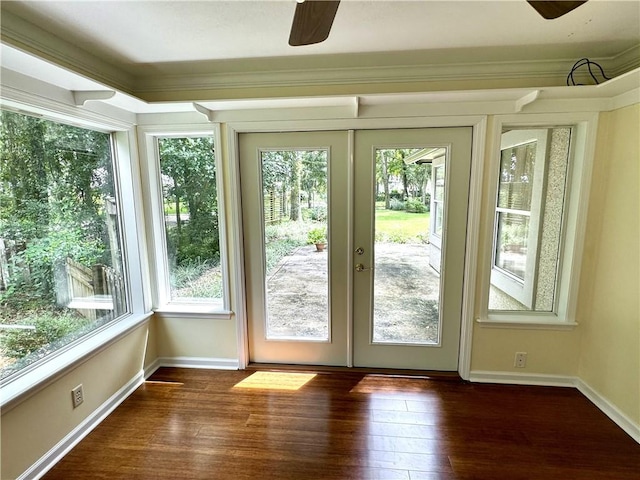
[
  {"x": 624, "y": 422},
  {"x": 514, "y": 378},
  {"x": 53, "y": 456},
  {"x": 610, "y": 410},
  {"x": 192, "y": 362},
  {"x": 149, "y": 369}
]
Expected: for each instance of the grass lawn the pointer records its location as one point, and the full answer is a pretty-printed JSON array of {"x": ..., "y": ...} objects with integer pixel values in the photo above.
[{"x": 400, "y": 226}]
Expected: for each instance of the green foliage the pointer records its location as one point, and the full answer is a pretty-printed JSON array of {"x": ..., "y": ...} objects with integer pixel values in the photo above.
[
  {"x": 282, "y": 239},
  {"x": 415, "y": 205},
  {"x": 189, "y": 272},
  {"x": 189, "y": 187},
  {"x": 54, "y": 183},
  {"x": 319, "y": 214},
  {"x": 49, "y": 327},
  {"x": 395, "y": 204},
  {"x": 317, "y": 235}
]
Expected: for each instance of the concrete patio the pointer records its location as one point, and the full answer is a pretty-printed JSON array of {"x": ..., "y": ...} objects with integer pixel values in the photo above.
[{"x": 406, "y": 295}]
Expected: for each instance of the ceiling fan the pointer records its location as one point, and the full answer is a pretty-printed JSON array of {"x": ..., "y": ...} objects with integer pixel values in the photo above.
[{"x": 313, "y": 18}]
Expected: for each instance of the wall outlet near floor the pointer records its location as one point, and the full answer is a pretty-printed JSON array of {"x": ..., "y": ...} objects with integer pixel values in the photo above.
[
  {"x": 521, "y": 360},
  {"x": 77, "y": 396}
]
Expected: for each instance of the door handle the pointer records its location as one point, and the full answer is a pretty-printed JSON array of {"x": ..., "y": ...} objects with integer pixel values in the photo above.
[{"x": 361, "y": 268}]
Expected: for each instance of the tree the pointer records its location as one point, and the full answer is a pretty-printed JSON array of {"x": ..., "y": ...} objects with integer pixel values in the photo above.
[
  {"x": 54, "y": 179},
  {"x": 187, "y": 167},
  {"x": 314, "y": 174}
]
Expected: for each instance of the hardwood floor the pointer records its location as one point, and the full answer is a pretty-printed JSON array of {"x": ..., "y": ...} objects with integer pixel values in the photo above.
[{"x": 200, "y": 424}]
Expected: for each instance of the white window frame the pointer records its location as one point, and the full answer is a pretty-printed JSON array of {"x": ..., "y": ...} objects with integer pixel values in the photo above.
[
  {"x": 584, "y": 127},
  {"x": 148, "y": 137},
  {"x": 125, "y": 159}
]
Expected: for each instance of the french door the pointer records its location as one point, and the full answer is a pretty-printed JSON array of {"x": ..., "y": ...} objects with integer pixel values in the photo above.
[{"x": 375, "y": 296}]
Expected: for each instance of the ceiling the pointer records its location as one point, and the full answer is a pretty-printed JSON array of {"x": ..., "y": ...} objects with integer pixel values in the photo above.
[
  {"x": 138, "y": 45},
  {"x": 151, "y": 32}
]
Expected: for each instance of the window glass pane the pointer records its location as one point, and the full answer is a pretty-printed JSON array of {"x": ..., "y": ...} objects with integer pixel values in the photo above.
[
  {"x": 439, "y": 183},
  {"x": 438, "y": 218},
  {"x": 61, "y": 270},
  {"x": 516, "y": 177},
  {"x": 190, "y": 202},
  {"x": 438, "y": 204},
  {"x": 511, "y": 245},
  {"x": 529, "y": 219}
]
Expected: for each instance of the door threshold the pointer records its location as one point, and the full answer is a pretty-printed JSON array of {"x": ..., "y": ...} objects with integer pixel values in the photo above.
[{"x": 391, "y": 372}]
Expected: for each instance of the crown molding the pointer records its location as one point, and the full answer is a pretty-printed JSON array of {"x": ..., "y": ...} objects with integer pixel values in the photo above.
[
  {"x": 340, "y": 74},
  {"x": 30, "y": 38},
  {"x": 373, "y": 79}
]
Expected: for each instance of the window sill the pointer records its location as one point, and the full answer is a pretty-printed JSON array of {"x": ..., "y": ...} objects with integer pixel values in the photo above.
[
  {"x": 526, "y": 323},
  {"x": 191, "y": 311},
  {"x": 29, "y": 383}
]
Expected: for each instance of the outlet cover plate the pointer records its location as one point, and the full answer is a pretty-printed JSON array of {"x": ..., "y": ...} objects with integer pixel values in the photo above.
[{"x": 77, "y": 396}]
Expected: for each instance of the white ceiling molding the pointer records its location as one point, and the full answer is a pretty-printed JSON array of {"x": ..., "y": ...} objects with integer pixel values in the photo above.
[
  {"x": 20, "y": 88},
  {"x": 342, "y": 74},
  {"x": 526, "y": 100},
  {"x": 80, "y": 97},
  {"x": 28, "y": 37},
  {"x": 210, "y": 114}
]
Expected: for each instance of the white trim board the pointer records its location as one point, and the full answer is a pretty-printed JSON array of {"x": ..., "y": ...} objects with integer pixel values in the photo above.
[
  {"x": 609, "y": 409},
  {"x": 53, "y": 456},
  {"x": 511, "y": 378},
  {"x": 192, "y": 362}
]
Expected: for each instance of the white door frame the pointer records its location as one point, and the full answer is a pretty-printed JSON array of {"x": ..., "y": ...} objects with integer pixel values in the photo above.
[{"x": 479, "y": 125}]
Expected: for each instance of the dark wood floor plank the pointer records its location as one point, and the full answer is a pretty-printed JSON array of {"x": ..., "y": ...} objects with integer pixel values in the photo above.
[{"x": 199, "y": 424}]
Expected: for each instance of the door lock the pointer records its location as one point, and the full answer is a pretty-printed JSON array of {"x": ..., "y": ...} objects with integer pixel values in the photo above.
[{"x": 359, "y": 250}]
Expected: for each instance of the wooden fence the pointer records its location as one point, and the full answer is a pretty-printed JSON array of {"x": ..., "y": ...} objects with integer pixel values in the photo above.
[
  {"x": 275, "y": 207},
  {"x": 95, "y": 292}
]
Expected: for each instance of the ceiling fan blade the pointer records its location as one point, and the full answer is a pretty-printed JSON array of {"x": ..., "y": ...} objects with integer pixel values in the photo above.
[
  {"x": 552, "y": 9},
  {"x": 312, "y": 22}
]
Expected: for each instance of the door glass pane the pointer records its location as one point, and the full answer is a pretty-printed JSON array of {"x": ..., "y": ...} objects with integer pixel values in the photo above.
[
  {"x": 406, "y": 287},
  {"x": 294, "y": 184}
]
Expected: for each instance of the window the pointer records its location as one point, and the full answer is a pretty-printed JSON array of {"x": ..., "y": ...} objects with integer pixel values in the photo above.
[
  {"x": 62, "y": 274},
  {"x": 185, "y": 205},
  {"x": 540, "y": 180},
  {"x": 521, "y": 218}
]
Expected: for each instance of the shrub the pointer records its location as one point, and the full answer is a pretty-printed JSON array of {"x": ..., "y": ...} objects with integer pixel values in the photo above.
[
  {"x": 317, "y": 235},
  {"x": 49, "y": 327},
  {"x": 415, "y": 205},
  {"x": 395, "y": 204},
  {"x": 319, "y": 214}
]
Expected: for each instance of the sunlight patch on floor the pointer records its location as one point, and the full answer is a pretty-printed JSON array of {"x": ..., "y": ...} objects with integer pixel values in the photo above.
[{"x": 276, "y": 380}]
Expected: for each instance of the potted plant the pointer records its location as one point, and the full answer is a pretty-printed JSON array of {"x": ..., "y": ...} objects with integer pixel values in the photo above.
[{"x": 318, "y": 237}]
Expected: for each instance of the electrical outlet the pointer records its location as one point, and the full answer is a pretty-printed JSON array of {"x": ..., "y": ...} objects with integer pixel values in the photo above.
[
  {"x": 521, "y": 360},
  {"x": 77, "y": 396}
]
